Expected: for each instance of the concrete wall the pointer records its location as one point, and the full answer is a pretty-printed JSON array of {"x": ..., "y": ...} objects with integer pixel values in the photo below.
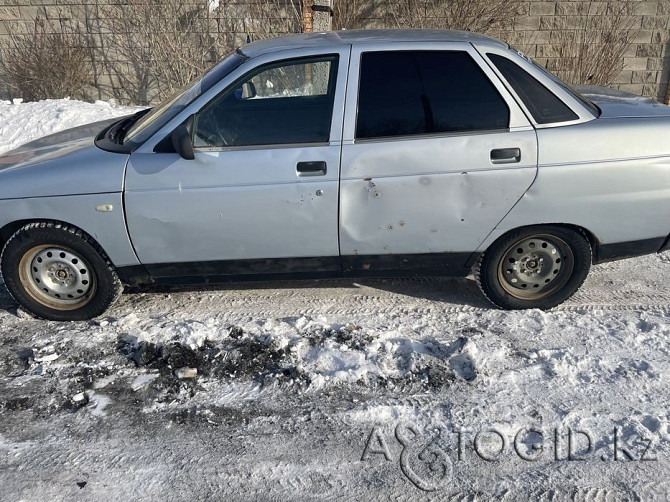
[{"x": 536, "y": 31}]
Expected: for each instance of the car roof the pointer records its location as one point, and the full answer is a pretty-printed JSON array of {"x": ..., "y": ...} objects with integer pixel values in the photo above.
[{"x": 353, "y": 37}]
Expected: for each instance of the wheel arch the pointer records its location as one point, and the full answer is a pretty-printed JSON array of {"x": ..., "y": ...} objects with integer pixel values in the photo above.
[
  {"x": 11, "y": 228},
  {"x": 577, "y": 243},
  {"x": 590, "y": 236},
  {"x": 101, "y": 216}
]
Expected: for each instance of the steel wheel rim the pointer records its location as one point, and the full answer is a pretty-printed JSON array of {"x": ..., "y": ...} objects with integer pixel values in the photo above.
[
  {"x": 535, "y": 267},
  {"x": 57, "y": 277}
]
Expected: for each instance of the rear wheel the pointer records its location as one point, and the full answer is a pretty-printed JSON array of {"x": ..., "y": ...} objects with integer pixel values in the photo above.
[
  {"x": 534, "y": 267},
  {"x": 58, "y": 272}
]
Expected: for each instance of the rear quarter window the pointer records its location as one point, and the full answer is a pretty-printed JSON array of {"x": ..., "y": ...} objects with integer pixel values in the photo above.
[{"x": 543, "y": 105}]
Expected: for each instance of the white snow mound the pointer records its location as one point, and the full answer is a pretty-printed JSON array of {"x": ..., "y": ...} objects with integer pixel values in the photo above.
[{"x": 24, "y": 122}]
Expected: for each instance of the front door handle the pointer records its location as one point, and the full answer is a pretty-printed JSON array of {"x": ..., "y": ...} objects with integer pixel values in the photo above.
[
  {"x": 505, "y": 155},
  {"x": 317, "y": 168}
]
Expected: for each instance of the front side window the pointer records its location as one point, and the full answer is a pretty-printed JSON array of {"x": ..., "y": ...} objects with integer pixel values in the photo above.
[
  {"x": 282, "y": 103},
  {"x": 543, "y": 105},
  {"x": 424, "y": 92}
]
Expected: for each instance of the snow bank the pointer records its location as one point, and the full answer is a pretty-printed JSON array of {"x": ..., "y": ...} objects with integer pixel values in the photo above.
[{"x": 23, "y": 122}]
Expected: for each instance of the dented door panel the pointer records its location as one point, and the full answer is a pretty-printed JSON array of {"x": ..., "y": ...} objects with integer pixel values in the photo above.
[
  {"x": 439, "y": 193},
  {"x": 429, "y": 195}
]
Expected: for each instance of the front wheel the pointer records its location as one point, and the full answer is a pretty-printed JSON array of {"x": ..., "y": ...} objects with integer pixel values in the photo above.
[
  {"x": 59, "y": 273},
  {"x": 534, "y": 267}
]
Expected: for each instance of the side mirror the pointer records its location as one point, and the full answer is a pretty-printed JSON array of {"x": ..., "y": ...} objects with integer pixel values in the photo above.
[
  {"x": 182, "y": 142},
  {"x": 246, "y": 91},
  {"x": 249, "y": 90}
]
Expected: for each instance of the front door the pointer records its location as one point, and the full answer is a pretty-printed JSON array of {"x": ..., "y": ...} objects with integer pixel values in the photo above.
[{"x": 261, "y": 195}]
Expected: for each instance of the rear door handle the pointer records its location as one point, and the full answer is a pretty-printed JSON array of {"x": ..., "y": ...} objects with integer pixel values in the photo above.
[
  {"x": 316, "y": 168},
  {"x": 505, "y": 155}
]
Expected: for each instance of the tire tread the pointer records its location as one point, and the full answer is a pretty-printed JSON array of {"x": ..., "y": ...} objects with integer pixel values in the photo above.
[
  {"x": 478, "y": 269},
  {"x": 117, "y": 287}
]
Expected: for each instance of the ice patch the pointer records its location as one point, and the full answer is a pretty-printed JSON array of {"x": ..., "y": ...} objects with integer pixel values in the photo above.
[{"x": 97, "y": 404}]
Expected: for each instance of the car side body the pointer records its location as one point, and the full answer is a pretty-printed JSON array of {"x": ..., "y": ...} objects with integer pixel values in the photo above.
[{"x": 354, "y": 199}]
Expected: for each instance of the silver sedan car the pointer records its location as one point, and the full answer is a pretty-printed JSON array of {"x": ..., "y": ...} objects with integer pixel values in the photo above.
[{"x": 344, "y": 154}]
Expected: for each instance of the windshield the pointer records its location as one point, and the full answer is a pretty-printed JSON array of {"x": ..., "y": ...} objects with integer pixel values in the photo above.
[
  {"x": 570, "y": 90},
  {"x": 160, "y": 115}
]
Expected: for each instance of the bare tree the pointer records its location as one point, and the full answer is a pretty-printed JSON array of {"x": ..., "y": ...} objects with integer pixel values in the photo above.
[
  {"x": 151, "y": 48},
  {"x": 270, "y": 18},
  {"x": 50, "y": 61},
  {"x": 351, "y": 14},
  {"x": 594, "y": 53},
  {"x": 482, "y": 16}
]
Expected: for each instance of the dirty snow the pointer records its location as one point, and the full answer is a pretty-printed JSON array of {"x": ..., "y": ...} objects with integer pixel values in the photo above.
[{"x": 343, "y": 390}]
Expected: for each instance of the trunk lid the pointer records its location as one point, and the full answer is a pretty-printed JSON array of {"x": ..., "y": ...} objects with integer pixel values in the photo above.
[{"x": 619, "y": 104}]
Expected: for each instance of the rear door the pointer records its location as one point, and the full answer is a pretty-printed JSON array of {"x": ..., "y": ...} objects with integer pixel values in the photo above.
[{"x": 435, "y": 153}]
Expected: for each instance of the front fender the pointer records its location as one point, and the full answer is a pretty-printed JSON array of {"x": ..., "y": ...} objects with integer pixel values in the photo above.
[{"x": 107, "y": 227}]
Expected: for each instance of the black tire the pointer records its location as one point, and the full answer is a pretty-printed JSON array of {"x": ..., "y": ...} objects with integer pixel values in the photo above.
[
  {"x": 534, "y": 267},
  {"x": 78, "y": 283}
]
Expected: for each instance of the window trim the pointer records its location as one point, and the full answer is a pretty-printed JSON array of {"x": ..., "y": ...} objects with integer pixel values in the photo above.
[
  {"x": 426, "y": 135},
  {"x": 518, "y": 120},
  {"x": 430, "y": 135},
  {"x": 336, "y": 133},
  {"x": 268, "y": 146},
  {"x": 333, "y": 57}
]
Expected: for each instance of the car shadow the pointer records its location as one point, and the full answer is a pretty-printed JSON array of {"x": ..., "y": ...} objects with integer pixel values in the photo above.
[
  {"x": 7, "y": 303},
  {"x": 451, "y": 290}
]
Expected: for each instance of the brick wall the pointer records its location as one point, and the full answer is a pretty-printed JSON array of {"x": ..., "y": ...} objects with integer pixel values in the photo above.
[
  {"x": 537, "y": 31},
  {"x": 541, "y": 25},
  {"x": 646, "y": 65}
]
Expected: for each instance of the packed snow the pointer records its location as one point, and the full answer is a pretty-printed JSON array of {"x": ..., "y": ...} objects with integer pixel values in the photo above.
[{"x": 401, "y": 389}]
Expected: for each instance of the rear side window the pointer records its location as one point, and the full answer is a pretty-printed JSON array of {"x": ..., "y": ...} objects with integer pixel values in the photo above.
[
  {"x": 424, "y": 92},
  {"x": 543, "y": 105}
]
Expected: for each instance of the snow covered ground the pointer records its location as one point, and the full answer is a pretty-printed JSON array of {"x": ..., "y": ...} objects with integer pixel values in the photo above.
[
  {"x": 23, "y": 122},
  {"x": 338, "y": 390}
]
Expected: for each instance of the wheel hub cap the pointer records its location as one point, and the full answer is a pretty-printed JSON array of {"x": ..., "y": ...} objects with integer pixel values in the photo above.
[
  {"x": 534, "y": 267},
  {"x": 57, "y": 276}
]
